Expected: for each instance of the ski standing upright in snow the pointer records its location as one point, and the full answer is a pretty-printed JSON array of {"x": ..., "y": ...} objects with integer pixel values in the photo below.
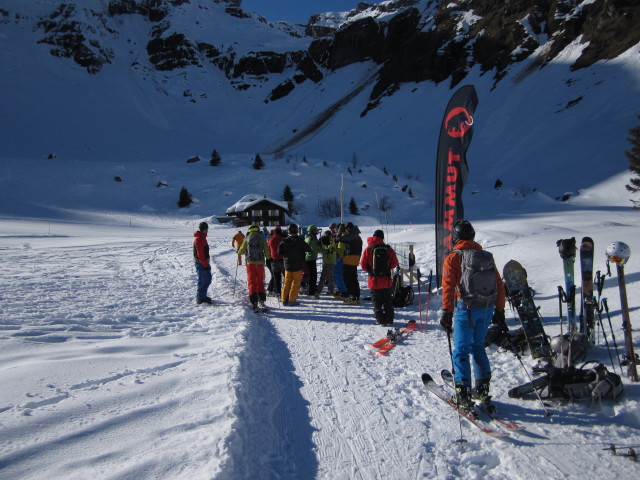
[
  {"x": 567, "y": 250},
  {"x": 587, "y": 304},
  {"x": 619, "y": 253}
]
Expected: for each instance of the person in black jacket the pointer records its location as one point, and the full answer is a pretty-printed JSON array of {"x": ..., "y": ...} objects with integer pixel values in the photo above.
[
  {"x": 352, "y": 242},
  {"x": 293, "y": 249}
]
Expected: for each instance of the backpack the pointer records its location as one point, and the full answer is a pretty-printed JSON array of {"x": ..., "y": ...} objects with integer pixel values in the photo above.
[
  {"x": 255, "y": 252},
  {"x": 478, "y": 286},
  {"x": 595, "y": 383},
  {"x": 402, "y": 296},
  {"x": 575, "y": 384},
  {"x": 380, "y": 261}
]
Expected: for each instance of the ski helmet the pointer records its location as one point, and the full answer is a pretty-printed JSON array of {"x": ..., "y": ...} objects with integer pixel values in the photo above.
[
  {"x": 618, "y": 252},
  {"x": 567, "y": 247},
  {"x": 559, "y": 344},
  {"x": 462, "y": 230}
]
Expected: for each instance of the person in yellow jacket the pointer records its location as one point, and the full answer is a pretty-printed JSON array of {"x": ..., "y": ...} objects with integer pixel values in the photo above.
[
  {"x": 236, "y": 241},
  {"x": 256, "y": 250}
]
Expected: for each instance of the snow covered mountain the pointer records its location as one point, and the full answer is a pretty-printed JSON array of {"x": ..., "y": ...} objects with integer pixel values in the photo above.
[{"x": 132, "y": 82}]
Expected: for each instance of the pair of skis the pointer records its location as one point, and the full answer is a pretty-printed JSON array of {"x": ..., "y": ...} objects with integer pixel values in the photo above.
[
  {"x": 382, "y": 346},
  {"x": 568, "y": 250},
  {"x": 475, "y": 416}
]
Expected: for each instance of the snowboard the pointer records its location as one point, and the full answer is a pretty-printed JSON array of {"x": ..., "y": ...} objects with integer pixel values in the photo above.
[{"x": 520, "y": 295}]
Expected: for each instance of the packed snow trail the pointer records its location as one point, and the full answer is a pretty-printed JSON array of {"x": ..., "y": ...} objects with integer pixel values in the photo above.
[{"x": 114, "y": 372}]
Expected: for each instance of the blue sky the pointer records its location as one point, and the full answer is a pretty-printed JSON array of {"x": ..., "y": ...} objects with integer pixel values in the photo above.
[{"x": 297, "y": 11}]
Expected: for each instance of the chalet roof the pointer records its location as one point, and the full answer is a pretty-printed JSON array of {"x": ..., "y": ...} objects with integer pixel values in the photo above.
[{"x": 252, "y": 199}]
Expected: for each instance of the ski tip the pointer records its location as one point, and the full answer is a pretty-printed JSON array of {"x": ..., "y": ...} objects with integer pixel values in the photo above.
[
  {"x": 587, "y": 240},
  {"x": 426, "y": 378}
]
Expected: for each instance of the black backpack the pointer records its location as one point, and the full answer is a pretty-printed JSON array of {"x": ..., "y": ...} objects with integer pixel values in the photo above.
[
  {"x": 478, "y": 284},
  {"x": 575, "y": 384},
  {"x": 380, "y": 261},
  {"x": 402, "y": 296}
]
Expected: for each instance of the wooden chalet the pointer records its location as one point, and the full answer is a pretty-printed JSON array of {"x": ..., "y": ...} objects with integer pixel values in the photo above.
[{"x": 258, "y": 209}]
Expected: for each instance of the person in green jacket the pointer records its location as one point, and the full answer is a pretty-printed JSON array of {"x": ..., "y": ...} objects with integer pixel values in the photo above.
[
  {"x": 328, "y": 262},
  {"x": 311, "y": 257}
]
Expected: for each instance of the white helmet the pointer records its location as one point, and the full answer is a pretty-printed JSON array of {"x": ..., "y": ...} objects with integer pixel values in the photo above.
[
  {"x": 559, "y": 344},
  {"x": 618, "y": 252}
]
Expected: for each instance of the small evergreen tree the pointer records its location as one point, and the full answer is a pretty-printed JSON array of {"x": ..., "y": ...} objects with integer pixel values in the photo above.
[
  {"x": 353, "y": 207},
  {"x": 258, "y": 163},
  {"x": 184, "y": 200},
  {"x": 215, "y": 159},
  {"x": 634, "y": 162},
  {"x": 287, "y": 194},
  {"x": 385, "y": 171}
]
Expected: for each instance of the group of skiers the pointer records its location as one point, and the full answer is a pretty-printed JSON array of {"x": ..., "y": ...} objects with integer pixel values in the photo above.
[{"x": 471, "y": 298}]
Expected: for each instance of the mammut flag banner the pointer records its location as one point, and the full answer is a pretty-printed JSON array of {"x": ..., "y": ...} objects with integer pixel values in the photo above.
[{"x": 451, "y": 168}]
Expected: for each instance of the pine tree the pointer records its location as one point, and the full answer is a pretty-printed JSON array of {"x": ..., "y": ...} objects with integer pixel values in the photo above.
[
  {"x": 258, "y": 163},
  {"x": 287, "y": 194},
  {"x": 353, "y": 207},
  {"x": 184, "y": 200},
  {"x": 634, "y": 162},
  {"x": 215, "y": 159}
]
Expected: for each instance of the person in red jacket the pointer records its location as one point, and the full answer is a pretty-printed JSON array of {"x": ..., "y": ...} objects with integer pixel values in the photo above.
[
  {"x": 468, "y": 323},
  {"x": 380, "y": 280},
  {"x": 201, "y": 261}
]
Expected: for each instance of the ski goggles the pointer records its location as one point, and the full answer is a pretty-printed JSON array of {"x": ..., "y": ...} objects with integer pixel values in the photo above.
[{"x": 618, "y": 260}]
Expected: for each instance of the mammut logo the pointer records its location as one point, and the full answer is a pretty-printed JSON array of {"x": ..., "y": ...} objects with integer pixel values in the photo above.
[{"x": 458, "y": 122}]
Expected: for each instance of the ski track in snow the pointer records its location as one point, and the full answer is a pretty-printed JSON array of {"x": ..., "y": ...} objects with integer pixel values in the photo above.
[{"x": 108, "y": 355}]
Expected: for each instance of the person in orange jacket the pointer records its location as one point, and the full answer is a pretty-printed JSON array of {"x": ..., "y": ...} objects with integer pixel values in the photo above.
[
  {"x": 236, "y": 241},
  {"x": 469, "y": 324}
]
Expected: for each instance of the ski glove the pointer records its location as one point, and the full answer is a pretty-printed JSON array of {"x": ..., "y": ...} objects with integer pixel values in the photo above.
[
  {"x": 447, "y": 322},
  {"x": 498, "y": 319}
]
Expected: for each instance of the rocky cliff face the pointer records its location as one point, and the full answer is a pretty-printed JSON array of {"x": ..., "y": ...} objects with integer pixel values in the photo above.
[
  {"x": 444, "y": 42},
  {"x": 412, "y": 40}
]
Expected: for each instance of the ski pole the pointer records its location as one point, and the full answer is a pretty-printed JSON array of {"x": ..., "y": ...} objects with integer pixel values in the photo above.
[
  {"x": 418, "y": 275},
  {"x": 548, "y": 414},
  {"x": 562, "y": 296},
  {"x": 453, "y": 373},
  {"x": 605, "y": 304},
  {"x": 235, "y": 277},
  {"x": 604, "y": 334},
  {"x": 426, "y": 313}
]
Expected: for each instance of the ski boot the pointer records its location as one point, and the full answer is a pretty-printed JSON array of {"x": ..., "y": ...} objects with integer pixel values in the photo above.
[
  {"x": 462, "y": 398},
  {"x": 481, "y": 395}
]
